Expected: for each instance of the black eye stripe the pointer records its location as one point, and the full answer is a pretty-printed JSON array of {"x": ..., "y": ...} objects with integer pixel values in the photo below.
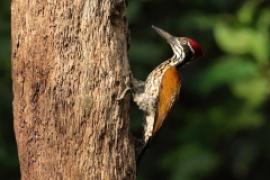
[{"x": 189, "y": 52}]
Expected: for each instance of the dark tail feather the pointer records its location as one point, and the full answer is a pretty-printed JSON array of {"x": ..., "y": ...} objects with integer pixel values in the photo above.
[
  {"x": 141, "y": 149},
  {"x": 141, "y": 153}
]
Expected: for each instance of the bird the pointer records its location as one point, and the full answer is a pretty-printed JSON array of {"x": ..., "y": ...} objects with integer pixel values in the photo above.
[{"x": 159, "y": 92}]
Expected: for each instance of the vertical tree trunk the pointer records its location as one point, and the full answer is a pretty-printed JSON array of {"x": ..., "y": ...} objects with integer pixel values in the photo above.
[{"x": 69, "y": 61}]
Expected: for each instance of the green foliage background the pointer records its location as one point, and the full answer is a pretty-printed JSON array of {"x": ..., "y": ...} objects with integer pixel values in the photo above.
[{"x": 220, "y": 128}]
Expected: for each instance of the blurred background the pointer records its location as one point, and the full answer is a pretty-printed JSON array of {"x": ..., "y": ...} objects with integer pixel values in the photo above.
[{"x": 220, "y": 127}]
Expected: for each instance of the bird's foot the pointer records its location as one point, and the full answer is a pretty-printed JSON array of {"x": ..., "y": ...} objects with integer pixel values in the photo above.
[{"x": 128, "y": 88}]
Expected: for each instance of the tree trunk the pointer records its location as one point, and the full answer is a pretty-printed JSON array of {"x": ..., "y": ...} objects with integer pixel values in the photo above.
[{"x": 69, "y": 63}]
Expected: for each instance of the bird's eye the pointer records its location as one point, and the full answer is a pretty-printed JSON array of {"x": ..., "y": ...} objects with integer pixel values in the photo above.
[{"x": 184, "y": 42}]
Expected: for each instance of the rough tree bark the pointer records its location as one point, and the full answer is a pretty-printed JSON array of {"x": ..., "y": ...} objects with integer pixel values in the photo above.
[{"x": 69, "y": 62}]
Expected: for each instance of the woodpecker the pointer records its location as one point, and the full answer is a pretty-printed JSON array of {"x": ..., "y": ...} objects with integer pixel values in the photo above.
[{"x": 157, "y": 95}]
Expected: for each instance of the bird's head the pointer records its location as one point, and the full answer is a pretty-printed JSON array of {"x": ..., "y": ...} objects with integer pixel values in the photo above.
[{"x": 185, "y": 49}]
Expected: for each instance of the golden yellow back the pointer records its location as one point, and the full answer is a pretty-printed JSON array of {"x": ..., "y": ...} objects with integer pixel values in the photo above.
[{"x": 169, "y": 91}]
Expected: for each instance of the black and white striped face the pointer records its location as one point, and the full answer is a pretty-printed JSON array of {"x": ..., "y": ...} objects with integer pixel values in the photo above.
[{"x": 184, "y": 49}]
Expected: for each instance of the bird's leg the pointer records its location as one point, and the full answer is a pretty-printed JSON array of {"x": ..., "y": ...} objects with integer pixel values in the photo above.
[
  {"x": 138, "y": 85},
  {"x": 132, "y": 84}
]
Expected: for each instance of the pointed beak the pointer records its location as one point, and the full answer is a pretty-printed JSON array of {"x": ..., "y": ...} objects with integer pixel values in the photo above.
[{"x": 168, "y": 37}]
